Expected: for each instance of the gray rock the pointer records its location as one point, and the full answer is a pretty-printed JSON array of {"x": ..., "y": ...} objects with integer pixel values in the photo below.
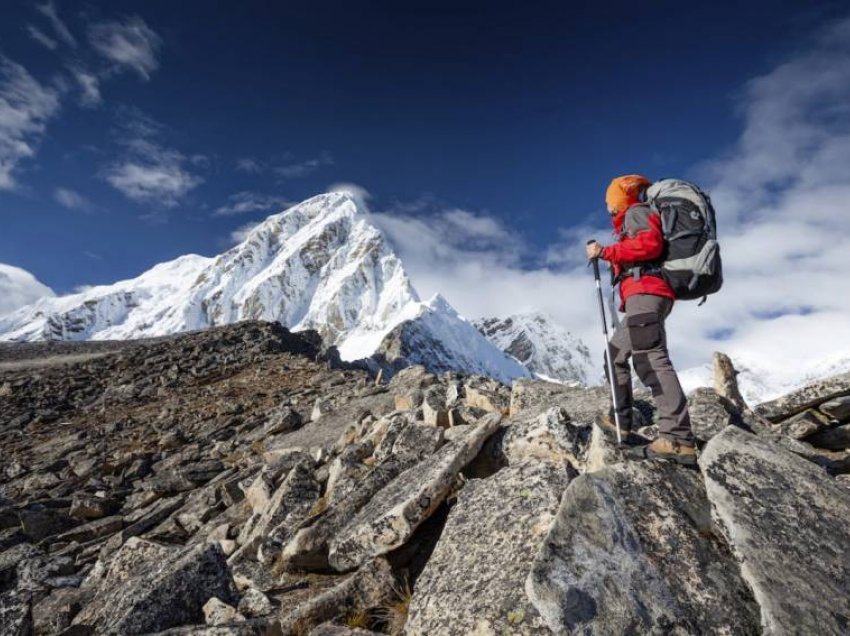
[
  {"x": 92, "y": 530},
  {"x": 834, "y": 438},
  {"x": 366, "y": 589},
  {"x": 389, "y": 519},
  {"x": 290, "y": 503},
  {"x": 329, "y": 629},
  {"x": 786, "y": 521},
  {"x": 15, "y": 614},
  {"x": 802, "y": 425},
  {"x": 473, "y": 581},
  {"x": 550, "y": 437},
  {"x": 838, "y": 408},
  {"x": 434, "y": 411},
  {"x": 54, "y": 613},
  {"x": 806, "y": 397},
  {"x": 85, "y": 506},
  {"x": 283, "y": 420},
  {"x": 168, "y": 591},
  {"x": 254, "y": 603},
  {"x": 217, "y": 612},
  {"x": 488, "y": 395},
  {"x": 632, "y": 552},
  {"x": 708, "y": 412},
  {"x": 308, "y": 548}
]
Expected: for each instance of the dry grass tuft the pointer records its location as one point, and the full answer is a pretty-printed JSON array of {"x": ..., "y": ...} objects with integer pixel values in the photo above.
[
  {"x": 357, "y": 618},
  {"x": 394, "y": 613}
]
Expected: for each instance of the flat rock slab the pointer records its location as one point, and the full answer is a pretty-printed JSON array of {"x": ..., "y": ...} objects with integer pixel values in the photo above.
[
  {"x": 162, "y": 587},
  {"x": 473, "y": 582},
  {"x": 806, "y": 397},
  {"x": 632, "y": 551},
  {"x": 390, "y": 518},
  {"x": 787, "y": 523}
]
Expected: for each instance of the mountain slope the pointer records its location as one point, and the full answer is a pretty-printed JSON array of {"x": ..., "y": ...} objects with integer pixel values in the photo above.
[
  {"x": 541, "y": 345},
  {"x": 319, "y": 265}
]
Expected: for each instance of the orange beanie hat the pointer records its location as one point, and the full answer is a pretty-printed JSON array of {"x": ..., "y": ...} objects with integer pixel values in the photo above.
[{"x": 625, "y": 191}]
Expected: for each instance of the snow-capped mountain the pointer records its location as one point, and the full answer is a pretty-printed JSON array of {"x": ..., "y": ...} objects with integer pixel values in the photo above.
[
  {"x": 318, "y": 265},
  {"x": 541, "y": 345},
  {"x": 439, "y": 338}
]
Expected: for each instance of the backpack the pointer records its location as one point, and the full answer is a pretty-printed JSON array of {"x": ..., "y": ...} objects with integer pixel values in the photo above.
[{"x": 691, "y": 262}]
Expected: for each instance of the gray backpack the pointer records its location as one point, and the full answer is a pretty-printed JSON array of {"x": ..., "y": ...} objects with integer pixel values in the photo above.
[{"x": 691, "y": 260}]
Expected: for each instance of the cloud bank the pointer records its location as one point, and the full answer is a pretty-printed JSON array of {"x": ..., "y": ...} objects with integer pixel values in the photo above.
[
  {"x": 19, "y": 288},
  {"x": 781, "y": 194}
]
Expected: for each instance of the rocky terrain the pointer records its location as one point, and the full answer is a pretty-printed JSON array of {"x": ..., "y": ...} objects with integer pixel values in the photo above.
[{"x": 242, "y": 480}]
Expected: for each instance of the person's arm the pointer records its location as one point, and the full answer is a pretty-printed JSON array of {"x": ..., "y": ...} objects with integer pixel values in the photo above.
[{"x": 644, "y": 239}]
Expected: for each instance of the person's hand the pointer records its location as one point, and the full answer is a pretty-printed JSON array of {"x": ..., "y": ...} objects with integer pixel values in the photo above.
[{"x": 594, "y": 250}]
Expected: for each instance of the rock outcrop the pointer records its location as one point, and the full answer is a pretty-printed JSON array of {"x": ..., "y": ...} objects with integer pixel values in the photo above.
[
  {"x": 632, "y": 551},
  {"x": 786, "y": 520},
  {"x": 240, "y": 481}
]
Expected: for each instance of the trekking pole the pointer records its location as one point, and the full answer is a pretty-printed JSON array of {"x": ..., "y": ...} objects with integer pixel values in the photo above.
[{"x": 595, "y": 263}]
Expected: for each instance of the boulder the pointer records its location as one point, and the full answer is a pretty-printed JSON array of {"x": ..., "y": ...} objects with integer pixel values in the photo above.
[
  {"x": 834, "y": 438},
  {"x": 473, "y": 581},
  {"x": 218, "y": 612},
  {"x": 806, "y": 397},
  {"x": 254, "y": 603},
  {"x": 283, "y": 420},
  {"x": 392, "y": 515},
  {"x": 85, "y": 506},
  {"x": 632, "y": 551},
  {"x": 802, "y": 425},
  {"x": 15, "y": 614},
  {"x": 837, "y": 408},
  {"x": 786, "y": 521},
  {"x": 367, "y": 589},
  {"x": 488, "y": 395},
  {"x": 150, "y": 588},
  {"x": 434, "y": 411},
  {"x": 549, "y": 437},
  {"x": 709, "y": 414},
  {"x": 290, "y": 504},
  {"x": 409, "y": 443},
  {"x": 54, "y": 613}
]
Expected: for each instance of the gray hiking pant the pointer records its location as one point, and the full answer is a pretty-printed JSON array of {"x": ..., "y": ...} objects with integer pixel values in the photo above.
[{"x": 642, "y": 337}]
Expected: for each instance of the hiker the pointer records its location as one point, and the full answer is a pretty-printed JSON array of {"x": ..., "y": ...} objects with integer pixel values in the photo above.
[{"x": 647, "y": 299}]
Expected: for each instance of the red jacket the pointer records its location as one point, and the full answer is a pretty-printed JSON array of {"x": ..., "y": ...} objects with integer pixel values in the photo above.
[{"x": 640, "y": 239}]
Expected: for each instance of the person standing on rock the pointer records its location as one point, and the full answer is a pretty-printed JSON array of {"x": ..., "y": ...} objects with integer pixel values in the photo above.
[{"x": 647, "y": 301}]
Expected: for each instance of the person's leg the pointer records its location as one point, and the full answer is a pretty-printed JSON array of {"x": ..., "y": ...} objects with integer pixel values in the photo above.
[
  {"x": 645, "y": 315},
  {"x": 620, "y": 354}
]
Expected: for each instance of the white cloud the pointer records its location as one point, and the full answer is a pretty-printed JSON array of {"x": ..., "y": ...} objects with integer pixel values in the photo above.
[
  {"x": 360, "y": 193},
  {"x": 25, "y": 108},
  {"x": 152, "y": 174},
  {"x": 89, "y": 85},
  {"x": 249, "y": 165},
  {"x": 19, "y": 288},
  {"x": 42, "y": 38},
  {"x": 245, "y": 202},
  {"x": 49, "y": 11},
  {"x": 241, "y": 233},
  {"x": 131, "y": 44},
  {"x": 781, "y": 195},
  {"x": 71, "y": 199},
  {"x": 303, "y": 168}
]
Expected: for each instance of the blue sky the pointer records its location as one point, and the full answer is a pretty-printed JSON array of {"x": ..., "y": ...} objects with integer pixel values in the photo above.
[{"x": 146, "y": 130}]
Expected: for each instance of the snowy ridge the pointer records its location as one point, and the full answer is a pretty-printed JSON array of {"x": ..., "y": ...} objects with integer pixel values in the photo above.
[
  {"x": 759, "y": 383},
  {"x": 442, "y": 340},
  {"x": 318, "y": 265},
  {"x": 544, "y": 347}
]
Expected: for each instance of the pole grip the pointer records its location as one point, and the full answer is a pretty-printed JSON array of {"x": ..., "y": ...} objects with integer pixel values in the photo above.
[{"x": 594, "y": 262}]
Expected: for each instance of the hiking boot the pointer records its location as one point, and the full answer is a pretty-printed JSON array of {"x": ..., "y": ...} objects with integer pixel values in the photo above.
[
  {"x": 608, "y": 426},
  {"x": 666, "y": 449}
]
